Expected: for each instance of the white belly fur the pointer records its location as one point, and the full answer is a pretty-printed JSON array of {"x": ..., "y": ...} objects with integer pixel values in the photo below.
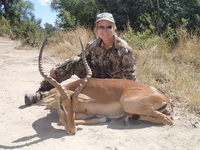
[{"x": 111, "y": 110}]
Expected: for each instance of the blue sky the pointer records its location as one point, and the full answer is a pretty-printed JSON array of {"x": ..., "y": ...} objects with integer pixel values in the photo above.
[{"x": 43, "y": 11}]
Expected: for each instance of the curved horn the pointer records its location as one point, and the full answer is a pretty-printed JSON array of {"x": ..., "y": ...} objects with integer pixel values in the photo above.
[
  {"x": 87, "y": 67},
  {"x": 47, "y": 77},
  {"x": 88, "y": 72}
]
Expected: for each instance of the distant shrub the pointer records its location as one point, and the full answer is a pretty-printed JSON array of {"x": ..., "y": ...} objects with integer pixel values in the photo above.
[
  {"x": 140, "y": 40},
  {"x": 5, "y": 28},
  {"x": 29, "y": 32},
  {"x": 170, "y": 35},
  {"x": 129, "y": 36}
]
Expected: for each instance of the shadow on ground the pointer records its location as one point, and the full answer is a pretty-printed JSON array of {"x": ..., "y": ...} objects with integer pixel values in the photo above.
[{"x": 44, "y": 131}]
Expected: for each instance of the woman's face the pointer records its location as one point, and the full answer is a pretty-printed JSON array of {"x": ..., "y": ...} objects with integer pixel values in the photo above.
[{"x": 105, "y": 30}]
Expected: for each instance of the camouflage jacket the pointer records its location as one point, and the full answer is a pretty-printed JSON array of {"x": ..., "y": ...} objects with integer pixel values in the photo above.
[{"x": 115, "y": 62}]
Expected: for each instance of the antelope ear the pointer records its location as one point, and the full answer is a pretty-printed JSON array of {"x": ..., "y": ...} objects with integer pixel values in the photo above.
[
  {"x": 85, "y": 98},
  {"x": 46, "y": 100}
]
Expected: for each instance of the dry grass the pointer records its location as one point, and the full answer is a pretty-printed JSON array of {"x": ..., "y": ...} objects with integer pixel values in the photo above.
[
  {"x": 177, "y": 70},
  {"x": 66, "y": 44},
  {"x": 180, "y": 68}
]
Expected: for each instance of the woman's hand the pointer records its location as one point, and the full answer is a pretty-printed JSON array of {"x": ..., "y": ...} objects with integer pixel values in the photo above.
[{"x": 53, "y": 73}]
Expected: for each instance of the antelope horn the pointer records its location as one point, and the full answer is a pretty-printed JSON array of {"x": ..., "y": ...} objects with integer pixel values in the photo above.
[
  {"x": 47, "y": 77},
  {"x": 88, "y": 72},
  {"x": 87, "y": 67}
]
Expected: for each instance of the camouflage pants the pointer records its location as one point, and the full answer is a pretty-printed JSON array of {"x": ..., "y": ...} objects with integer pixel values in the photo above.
[{"x": 64, "y": 71}]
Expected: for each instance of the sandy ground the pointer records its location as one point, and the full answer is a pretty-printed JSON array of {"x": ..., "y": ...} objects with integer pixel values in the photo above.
[{"x": 35, "y": 128}]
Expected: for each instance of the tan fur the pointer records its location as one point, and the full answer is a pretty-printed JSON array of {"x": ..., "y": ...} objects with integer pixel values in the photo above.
[{"x": 113, "y": 98}]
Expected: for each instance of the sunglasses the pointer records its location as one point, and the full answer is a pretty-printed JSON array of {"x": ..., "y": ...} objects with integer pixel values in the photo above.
[{"x": 104, "y": 27}]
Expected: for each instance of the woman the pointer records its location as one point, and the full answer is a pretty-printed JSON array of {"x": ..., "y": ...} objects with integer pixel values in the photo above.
[{"x": 108, "y": 56}]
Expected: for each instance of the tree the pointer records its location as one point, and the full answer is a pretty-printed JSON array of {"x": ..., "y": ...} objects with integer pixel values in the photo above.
[
  {"x": 49, "y": 28},
  {"x": 22, "y": 22},
  {"x": 16, "y": 10},
  {"x": 75, "y": 12},
  {"x": 141, "y": 14}
]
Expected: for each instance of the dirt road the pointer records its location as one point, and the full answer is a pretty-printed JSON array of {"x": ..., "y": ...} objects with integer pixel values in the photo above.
[{"x": 34, "y": 128}]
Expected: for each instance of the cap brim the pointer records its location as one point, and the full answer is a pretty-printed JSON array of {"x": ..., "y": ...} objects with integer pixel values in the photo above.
[{"x": 105, "y": 19}]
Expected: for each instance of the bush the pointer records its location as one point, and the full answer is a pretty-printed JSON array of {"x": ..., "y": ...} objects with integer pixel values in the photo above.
[
  {"x": 140, "y": 40},
  {"x": 29, "y": 32},
  {"x": 5, "y": 28},
  {"x": 170, "y": 36}
]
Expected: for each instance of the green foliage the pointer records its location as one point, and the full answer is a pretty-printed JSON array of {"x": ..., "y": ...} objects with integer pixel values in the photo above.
[
  {"x": 170, "y": 36},
  {"x": 49, "y": 28},
  {"x": 140, "y": 40},
  {"x": 29, "y": 32},
  {"x": 148, "y": 18},
  {"x": 66, "y": 21},
  {"x": 17, "y": 20},
  {"x": 15, "y": 11},
  {"x": 5, "y": 28},
  {"x": 129, "y": 36},
  {"x": 142, "y": 14},
  {"x": 75, "y": 12},
  {"x": 146, "y": 39},
  {"x": 4, "y": 22}
]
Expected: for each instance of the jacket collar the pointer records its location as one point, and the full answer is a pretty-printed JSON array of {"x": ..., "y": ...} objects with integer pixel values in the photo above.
[{"x": 116, "y": 44}]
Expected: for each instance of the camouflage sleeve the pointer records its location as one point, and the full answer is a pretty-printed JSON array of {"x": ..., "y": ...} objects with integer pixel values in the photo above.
[
  {"x": 127, "y": 65},
  {"x": 71, "y": 66},
  {"x": 63, "y": 72},
  {"x": 66, "y": 69}
]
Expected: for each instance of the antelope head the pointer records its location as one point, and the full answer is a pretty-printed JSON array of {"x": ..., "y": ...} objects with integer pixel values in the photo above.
[{"x": 66, "y": 101}]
